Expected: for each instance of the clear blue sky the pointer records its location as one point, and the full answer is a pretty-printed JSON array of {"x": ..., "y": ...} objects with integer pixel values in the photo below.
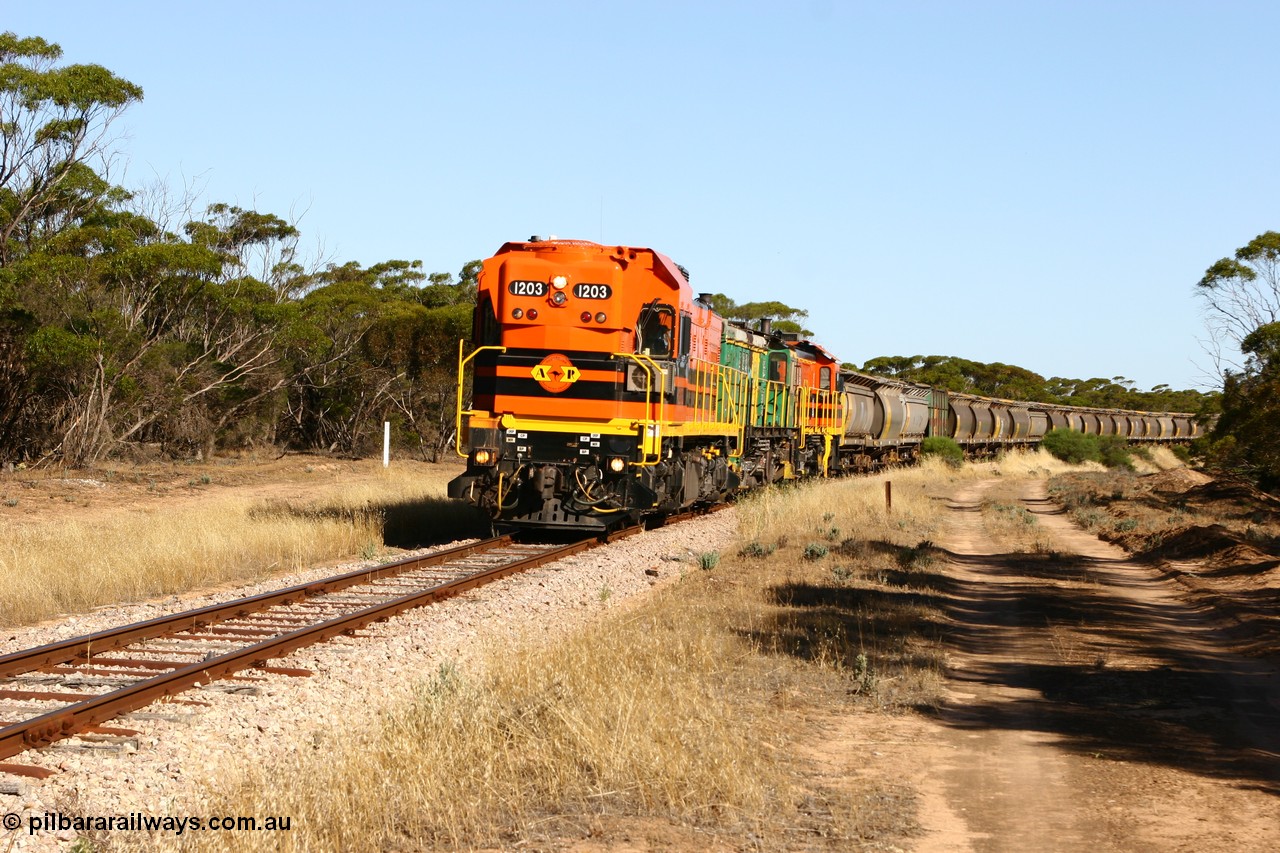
[{"x": 1029, "y": 182}]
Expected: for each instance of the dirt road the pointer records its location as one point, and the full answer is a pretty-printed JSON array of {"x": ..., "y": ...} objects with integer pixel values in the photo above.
[{"x": 1089, "y": 706}]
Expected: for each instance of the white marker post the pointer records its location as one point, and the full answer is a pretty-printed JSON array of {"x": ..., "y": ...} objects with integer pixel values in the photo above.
[{"x": 386, "y": 443}]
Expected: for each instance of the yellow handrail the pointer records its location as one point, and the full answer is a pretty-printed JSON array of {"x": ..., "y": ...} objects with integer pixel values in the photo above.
[
  {"x": 462, "y": 366},
  {"x": 735, "y": 411},
  {"x": 651, "y": 369}
]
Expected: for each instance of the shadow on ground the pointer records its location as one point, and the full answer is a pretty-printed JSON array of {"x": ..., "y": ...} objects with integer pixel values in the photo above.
[
  {"x": 431, "y": 521},
  {"x": 406, "y": 524},
  {"x": 1112, "y": 676}
]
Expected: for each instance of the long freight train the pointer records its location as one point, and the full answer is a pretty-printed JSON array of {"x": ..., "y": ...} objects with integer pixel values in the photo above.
[{"x": 604, "y": 390}]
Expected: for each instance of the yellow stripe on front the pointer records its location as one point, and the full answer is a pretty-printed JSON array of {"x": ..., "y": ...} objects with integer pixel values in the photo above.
[{"x": 616, "y": 426}]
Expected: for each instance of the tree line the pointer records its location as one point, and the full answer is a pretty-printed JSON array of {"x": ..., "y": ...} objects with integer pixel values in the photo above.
[
  {"x": 1017, "y": 383},
  {"x": 124, "y": 326}
]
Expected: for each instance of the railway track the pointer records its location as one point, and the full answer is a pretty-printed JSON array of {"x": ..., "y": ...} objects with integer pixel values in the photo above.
[{"x": 71, "y": 688}]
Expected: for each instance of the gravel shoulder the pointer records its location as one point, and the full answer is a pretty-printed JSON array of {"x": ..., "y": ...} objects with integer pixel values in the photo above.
[{"x": 181, "y": 746}]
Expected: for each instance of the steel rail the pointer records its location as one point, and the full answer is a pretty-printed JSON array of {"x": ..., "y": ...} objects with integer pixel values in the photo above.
[
  {"x": 63, "y": 651},
  {"x": 62, "y": 723},
  {"x": 85, "y": 651}
]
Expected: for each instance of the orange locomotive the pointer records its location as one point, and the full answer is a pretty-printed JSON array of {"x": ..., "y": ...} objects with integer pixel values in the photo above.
[{"x": 598, "y": 393}]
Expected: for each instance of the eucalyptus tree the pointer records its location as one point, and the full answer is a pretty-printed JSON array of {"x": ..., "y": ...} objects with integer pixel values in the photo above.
[
  {"x": 783, "y": 317},
  {"x": 54, "y": 140},
  {"x": 55, "y": 152},
  {"x": 1241, "y": 294},
  {"x": 378, "y": 344},
  {"x": 1246, "y": 436}
]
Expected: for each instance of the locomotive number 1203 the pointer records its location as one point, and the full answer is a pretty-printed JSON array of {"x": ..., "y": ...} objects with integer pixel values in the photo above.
[{"x": 592, "y": 291}]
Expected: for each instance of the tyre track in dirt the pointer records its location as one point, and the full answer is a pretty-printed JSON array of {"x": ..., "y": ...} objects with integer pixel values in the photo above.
[{"x": 1090, "y": 707}]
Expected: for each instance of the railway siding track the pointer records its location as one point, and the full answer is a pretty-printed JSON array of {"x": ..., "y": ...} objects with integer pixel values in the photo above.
[{"x": 70, "y": 688}]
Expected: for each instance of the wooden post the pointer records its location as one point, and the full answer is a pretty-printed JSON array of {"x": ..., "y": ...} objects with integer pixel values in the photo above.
[{"x": 888, "y": 497}]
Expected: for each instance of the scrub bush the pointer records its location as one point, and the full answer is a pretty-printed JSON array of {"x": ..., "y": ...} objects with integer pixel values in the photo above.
[
  {"x": 944, "y": 448},
  {"x": 1071, "y": 446}
]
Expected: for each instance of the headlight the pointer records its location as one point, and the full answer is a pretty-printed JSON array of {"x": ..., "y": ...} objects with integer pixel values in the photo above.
[
  {"x": 558, "y": 298},
  {"x": 617, "y": 464},
  {"x": 559, "y": 282},
  {"x": 482, "y": 457}
]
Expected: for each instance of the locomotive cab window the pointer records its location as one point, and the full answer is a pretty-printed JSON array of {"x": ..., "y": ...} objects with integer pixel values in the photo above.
[
  {"x": 778, "y": 367},
  {"x": 824, "y": 379},
  {"x": 686, "y": 333},
  {"x": 485, "y": 330},
  {"x": 654, "y": 329}
]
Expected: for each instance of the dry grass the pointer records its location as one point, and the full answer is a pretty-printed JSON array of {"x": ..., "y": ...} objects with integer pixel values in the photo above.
[
  {"x": 647, "y": 715},
  {"x": 1008, "y": 521},
  {"x": 1087, "y": 496},
  {"x": 1013, "y": 526},
  {"x": 856, "y": 582},
  {"x": 1150, "y": 459},
  {"x": 1005, "y": 518},
  {"x": 683, "y": 710},
  {"x": 667, "y": 715},
  {"x": 1074, "y": 647},
  {"x": 815, "y": 510},
  {"x": 168, "y": 545}
]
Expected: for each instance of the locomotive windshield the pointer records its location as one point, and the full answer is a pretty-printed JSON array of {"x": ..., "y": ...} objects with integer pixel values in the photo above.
[{"x": 653, "y": 329}]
